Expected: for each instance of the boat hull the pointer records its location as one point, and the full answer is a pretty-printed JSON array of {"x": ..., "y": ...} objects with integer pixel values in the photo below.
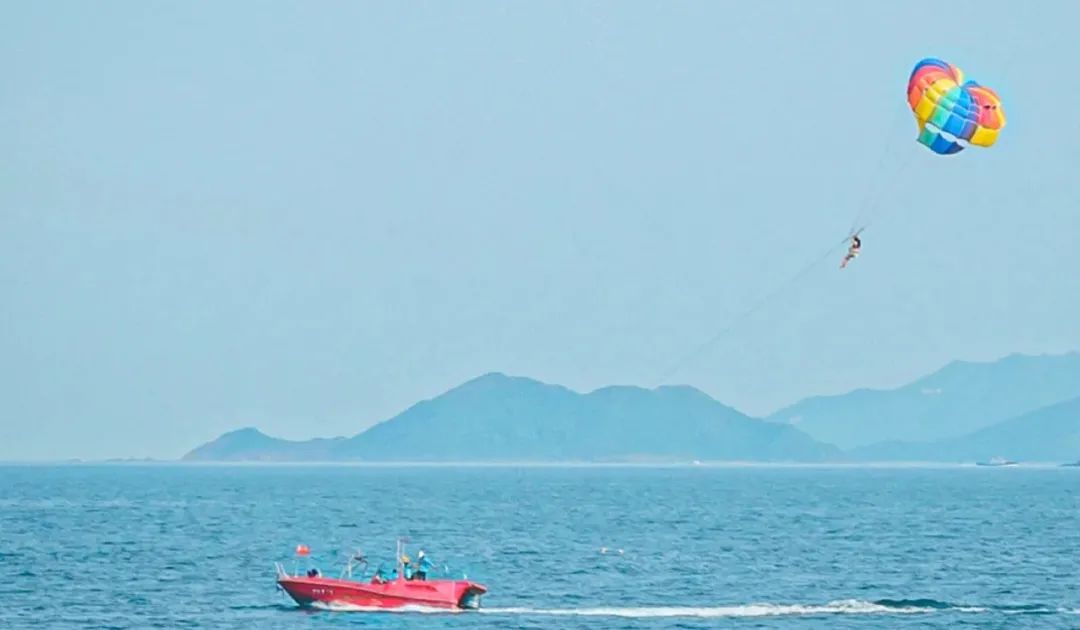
[{"x": 330, "y": 592}]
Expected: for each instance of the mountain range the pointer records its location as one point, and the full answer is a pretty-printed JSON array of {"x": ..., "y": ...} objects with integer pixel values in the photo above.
[
  {"x": 502, "y": 418},
  {"x": 1050, "y": 434},
  {"x": 1025, "y": 407},
  {"x": 954, "y": 401}
]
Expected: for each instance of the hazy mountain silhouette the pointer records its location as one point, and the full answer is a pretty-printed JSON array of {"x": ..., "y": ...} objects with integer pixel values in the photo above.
[
  {"x": 501, "y": 418},
  {"x": 957, "y": 400},
  {"x": 253, "y": 445},
  {"x": 1050, "y": 434}
]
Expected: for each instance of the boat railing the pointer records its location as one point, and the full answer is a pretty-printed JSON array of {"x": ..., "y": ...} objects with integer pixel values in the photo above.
[{"x": 356, "y": 560}]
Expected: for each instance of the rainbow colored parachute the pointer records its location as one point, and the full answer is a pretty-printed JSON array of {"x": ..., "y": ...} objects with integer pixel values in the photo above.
[{"x": 951, "y": 112}]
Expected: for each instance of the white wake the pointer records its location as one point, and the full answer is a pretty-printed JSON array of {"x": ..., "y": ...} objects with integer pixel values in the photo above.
[{"x": 842, "y": 607}]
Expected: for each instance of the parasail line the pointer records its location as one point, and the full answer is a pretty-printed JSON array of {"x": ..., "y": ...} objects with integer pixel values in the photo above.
[
  {"x": 754, "y": 307},
  {"x": 872, "y": 183}
]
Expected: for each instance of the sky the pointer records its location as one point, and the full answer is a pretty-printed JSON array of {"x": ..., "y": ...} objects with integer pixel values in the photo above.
[{"x": 306, "y": 217}]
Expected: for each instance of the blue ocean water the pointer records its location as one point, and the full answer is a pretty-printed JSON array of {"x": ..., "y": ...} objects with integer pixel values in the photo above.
[{"x": 173, "y": 546}]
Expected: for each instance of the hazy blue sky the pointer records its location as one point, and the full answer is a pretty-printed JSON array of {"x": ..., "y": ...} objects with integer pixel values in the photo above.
[{"x": 307, "y": 216}]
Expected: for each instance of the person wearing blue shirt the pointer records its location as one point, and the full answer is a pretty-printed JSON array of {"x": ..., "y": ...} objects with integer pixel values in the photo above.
[{"x": 423, "y": 566}]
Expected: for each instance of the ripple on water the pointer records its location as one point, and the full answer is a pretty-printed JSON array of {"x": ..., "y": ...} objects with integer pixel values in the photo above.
[{"x": 176, "y": 546}]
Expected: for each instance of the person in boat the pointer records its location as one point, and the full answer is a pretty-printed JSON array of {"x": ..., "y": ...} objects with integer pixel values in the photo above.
[
  {"x": 313, "y": 573},
  {"x": 853, "y": 250},
  {"x": 407, "y": 568},
  {"x": 378, "y": 577},
  {"x": 423, "y": 566}
]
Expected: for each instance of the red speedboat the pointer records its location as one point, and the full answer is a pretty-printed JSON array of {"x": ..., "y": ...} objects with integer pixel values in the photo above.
[{"x": 379, "y": 593}]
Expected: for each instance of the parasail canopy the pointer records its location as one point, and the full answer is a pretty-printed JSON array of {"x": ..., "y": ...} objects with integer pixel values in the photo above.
[{"x": 952, "y": 113}]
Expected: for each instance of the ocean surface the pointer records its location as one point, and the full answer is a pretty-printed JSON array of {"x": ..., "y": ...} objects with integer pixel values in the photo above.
[{"x": 175, "y": 546}]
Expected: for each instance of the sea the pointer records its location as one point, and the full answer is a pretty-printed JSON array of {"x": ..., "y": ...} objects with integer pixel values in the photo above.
[{"x": 193, "y": 546}]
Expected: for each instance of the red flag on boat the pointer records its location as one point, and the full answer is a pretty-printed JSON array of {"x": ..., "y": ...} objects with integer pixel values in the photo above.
[{"x": 302, "y": 550}]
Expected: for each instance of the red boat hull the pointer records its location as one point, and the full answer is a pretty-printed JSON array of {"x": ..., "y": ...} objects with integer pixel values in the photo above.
[{"x": 449, "y": 594}]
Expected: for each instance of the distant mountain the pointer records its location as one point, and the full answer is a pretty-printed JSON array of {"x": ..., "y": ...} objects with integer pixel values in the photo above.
[
  {"x": 960, "y": 398},
  {"x": 501, "y": 418},
  {"x": 253, "y": 445},
  {"x": 1050, "y": 434}
]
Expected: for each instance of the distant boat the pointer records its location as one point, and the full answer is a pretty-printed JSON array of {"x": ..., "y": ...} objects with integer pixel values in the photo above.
[
  {"x": 1072, "y": 465},
  {"x": 997, "y": 461}
]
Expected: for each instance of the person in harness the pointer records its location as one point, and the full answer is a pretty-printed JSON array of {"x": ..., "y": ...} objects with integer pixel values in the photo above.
[{"x": 853, "y": 250}]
